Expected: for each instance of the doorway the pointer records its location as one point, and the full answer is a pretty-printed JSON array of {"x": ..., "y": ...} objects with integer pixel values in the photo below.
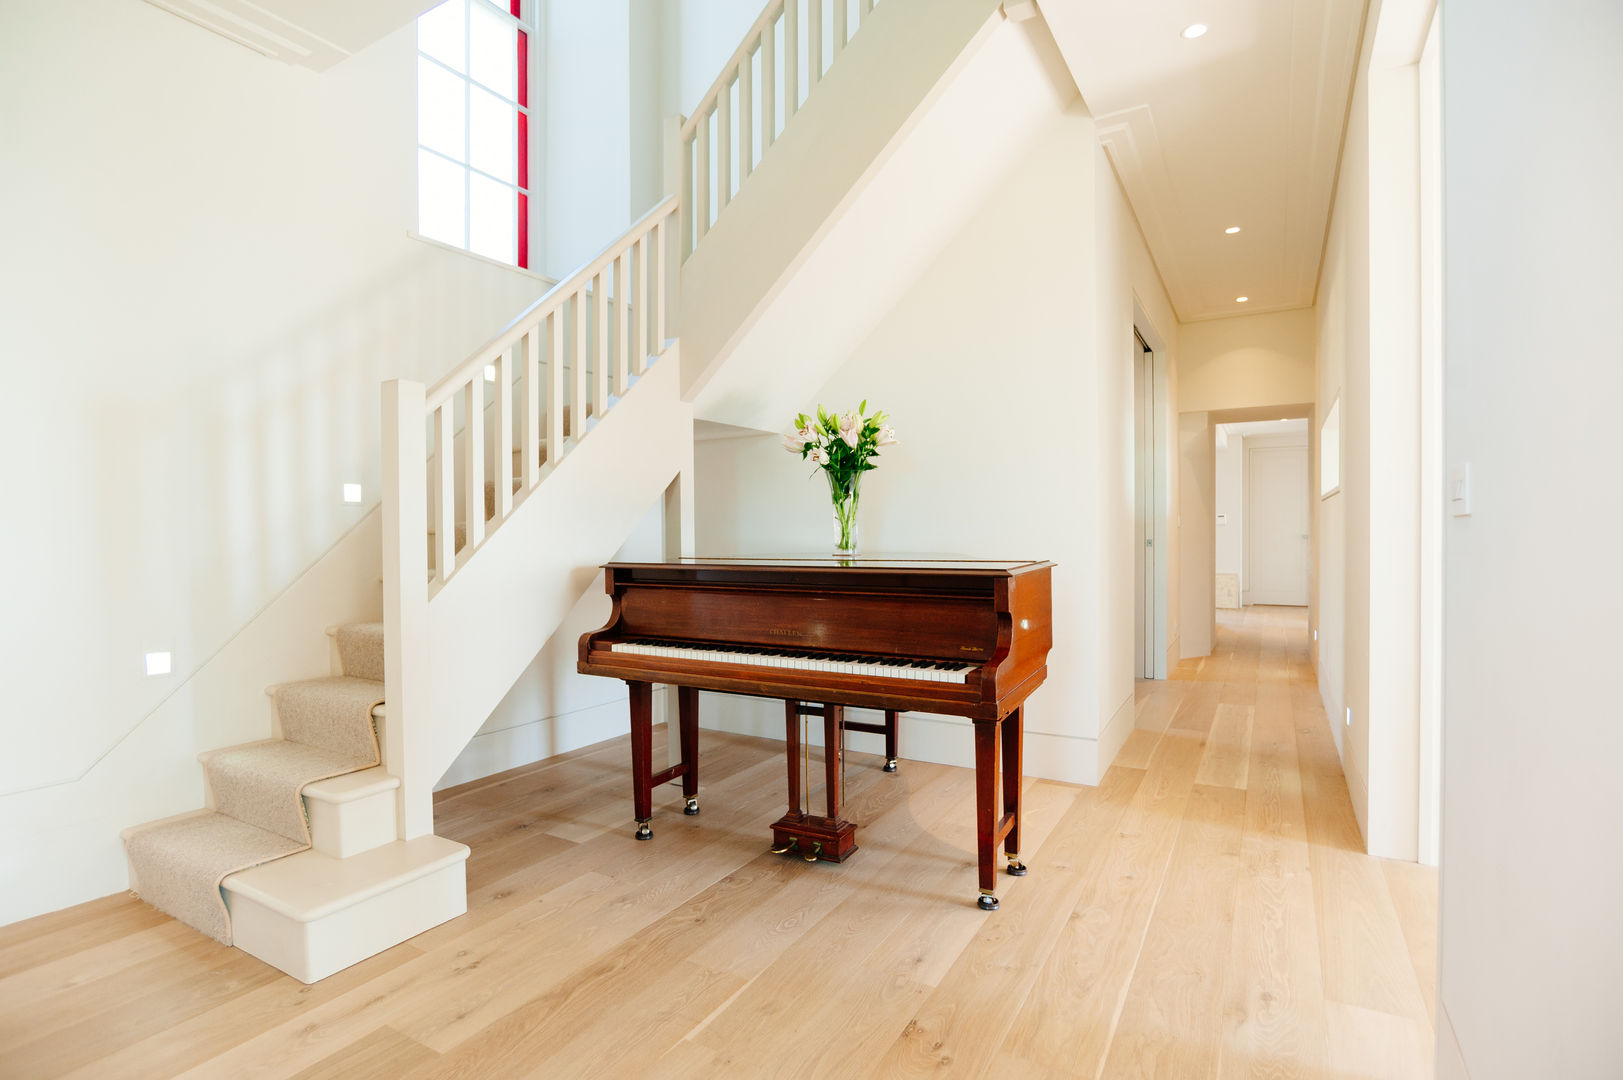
[{"x": 1276, "y": 537}]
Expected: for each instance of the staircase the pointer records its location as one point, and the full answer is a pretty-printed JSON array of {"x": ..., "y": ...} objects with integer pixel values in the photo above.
[{"x": 524, "y": 469}]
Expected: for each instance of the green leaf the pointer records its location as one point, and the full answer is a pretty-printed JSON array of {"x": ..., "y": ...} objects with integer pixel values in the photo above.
[{"x": 863, "y": 408}]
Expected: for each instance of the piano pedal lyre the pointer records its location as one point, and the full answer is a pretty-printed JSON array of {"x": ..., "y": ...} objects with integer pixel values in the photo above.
[
  {"x": 691, "y": 808},
  {"x": 643, "y": 831}
]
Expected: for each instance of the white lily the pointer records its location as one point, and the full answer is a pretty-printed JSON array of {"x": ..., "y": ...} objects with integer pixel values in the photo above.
[
  {"x": 794, "y": 443},
  {"x": 818, "y": 456},
  {"x": 887, "y": 436}
]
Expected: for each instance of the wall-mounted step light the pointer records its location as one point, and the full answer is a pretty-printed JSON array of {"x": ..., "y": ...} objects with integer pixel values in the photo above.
[
  {"x": 352, "y": 494},
  {"x": 158, "y": 663}
]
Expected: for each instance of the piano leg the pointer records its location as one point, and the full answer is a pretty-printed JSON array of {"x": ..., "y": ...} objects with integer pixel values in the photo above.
[
  {"x": 986, "y": 807},
  {"x": 892, "y": 721},
  {"x": 687, "y": 711},
  {"x": 1013, "y": 727},
  {"x": 642, "y": 755}
]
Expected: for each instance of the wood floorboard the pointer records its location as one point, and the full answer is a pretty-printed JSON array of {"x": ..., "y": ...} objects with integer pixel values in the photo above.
[{"x": 1206, "y": 911}]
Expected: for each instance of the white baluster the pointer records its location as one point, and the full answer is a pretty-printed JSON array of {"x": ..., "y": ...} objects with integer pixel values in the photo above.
[
  {"x": 746, "y": 126},
  {"x": 473, "y": 494},
  {"x": 814, "y": 44},
  {"x": 502, "y": 440},
  {"x": 701, "y": 149},
  {"x": 530, "y": 438},
  {"x": 622, "y": 323},
  {"x": 687, "y": 197},
  {"x": 555, "y": 386},
  {"x": 724, "y": 147},
  {"x": 644, "y": 311},
  {"x": 791, "y": 58},
  {"x": 577, "y": 416},
  {"x": 660, "y": 285},
  {"x": 600, "y": 337},
  {"x": 445, "y": 494},
  {"x": 769, "y": 75}
]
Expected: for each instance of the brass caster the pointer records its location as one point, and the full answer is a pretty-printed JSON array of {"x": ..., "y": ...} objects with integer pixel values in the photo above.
[
  {"x": 987, "y": 901},
  {"x": 793, "y": 843},
  {"x": 1016, "y": 868},
  {"x": 890, "y": 766},
  {"x": 643, "y": 831},
  {"x": 817, "y": 849},
  {"x": 691, "y": 808}
]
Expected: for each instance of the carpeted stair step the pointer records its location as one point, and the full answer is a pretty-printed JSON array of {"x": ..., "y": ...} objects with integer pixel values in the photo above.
[
  {"x": 177, "y": 864},
  {"x": 251, "y": 782},
  {"x": 360, "y": 650},
  {"x": 258, "y": 809}
]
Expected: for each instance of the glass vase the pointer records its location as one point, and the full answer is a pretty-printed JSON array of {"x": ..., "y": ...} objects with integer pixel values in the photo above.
[{"x": 845, "y": 489}]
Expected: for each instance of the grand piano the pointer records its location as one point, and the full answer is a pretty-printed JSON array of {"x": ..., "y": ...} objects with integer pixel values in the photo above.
[{"x": 954, "y": 636}]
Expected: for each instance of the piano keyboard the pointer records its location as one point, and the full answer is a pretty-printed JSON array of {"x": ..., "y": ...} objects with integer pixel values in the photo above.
[{"x": 887, "y": 667}]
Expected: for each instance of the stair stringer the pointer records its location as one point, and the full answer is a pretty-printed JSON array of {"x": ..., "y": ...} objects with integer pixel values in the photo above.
[
  {"x": 488, "y": 622},
  {"x": 865, "y": 102}
]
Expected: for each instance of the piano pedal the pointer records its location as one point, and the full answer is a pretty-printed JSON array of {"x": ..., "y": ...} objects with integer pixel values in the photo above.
[
  {"x": 890, "y": 766},
  {"x": 987, "y": 901},
  {"x": 643, "y": 831},
  {"x": 785, "y": 849},
  {"x": 1016, "y": 868},
  {"x": 691, "y": 808},
  {"x": 817, "y": 850}
]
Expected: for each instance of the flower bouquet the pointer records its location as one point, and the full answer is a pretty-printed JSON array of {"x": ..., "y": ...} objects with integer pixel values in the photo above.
[{"x": 844, "y": 448}]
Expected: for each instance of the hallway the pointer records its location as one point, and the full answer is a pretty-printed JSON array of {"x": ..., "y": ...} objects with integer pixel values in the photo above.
[{"x": 1329, "y": 955}]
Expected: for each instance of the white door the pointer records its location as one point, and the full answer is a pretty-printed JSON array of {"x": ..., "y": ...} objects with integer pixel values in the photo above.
[
  {"x": 1276, "y": 525},
  {"x": 1144, "y": 435}
]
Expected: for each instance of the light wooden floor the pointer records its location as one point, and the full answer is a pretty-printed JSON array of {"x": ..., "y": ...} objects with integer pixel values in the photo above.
[{"x": 1205, "y": 911}]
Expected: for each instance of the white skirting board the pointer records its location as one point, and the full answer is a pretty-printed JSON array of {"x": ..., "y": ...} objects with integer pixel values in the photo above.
[
  {"x": 944, "y": 740},
  {"x": 491, "y": 752}
]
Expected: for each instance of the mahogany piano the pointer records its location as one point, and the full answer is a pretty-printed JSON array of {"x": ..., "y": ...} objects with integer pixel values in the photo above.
[{"x": 952, "y": 636}]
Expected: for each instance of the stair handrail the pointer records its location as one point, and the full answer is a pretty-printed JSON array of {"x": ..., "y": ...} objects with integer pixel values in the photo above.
[{"x": 703, "y": 169}]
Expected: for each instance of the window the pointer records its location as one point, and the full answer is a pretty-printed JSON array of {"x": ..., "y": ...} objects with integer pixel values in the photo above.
[{"x": 473, "y": 127}]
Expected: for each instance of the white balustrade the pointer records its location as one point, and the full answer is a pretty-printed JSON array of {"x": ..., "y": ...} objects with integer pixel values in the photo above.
[
  {"x": 572, "y": 354},
  {"x": 719, "y": 142}
]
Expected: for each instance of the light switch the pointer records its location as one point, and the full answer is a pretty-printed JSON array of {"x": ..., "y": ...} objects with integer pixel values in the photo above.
[{"x": 1459, "y": 490}]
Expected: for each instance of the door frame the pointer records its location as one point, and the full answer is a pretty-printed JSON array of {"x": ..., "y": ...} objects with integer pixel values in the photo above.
[{"x": 1158, "y": 521}]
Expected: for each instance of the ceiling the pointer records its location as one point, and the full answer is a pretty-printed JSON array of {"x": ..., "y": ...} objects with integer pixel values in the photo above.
[
  {"x": 1265, "y": 427},
  {"x": 1241, "y": 126}
]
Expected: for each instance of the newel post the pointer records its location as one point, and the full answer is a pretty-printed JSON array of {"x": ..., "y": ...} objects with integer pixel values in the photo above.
[{"x": 405, "y": 602}]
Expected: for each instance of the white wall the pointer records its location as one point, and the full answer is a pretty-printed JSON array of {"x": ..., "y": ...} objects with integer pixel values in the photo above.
[
  {"x": 1369, "y": 356},
  {"x": 1014, "y": 438},
  {"x": 201, "y": 294},
  {"x": 1531, "y": 879},
  {"x": 551, "y": 709},
  {"x": 1246, "y": 361}
]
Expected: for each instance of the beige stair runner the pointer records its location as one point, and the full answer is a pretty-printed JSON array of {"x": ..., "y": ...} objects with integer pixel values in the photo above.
[{"x": 258, "y": 813}]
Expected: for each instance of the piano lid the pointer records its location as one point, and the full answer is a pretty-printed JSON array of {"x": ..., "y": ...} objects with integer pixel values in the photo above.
[{"x": 945, "y": 564}]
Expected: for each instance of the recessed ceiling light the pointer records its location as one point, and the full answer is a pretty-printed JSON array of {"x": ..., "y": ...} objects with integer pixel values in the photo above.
[
  {"x": 1241, "y": 299},
  {"x": 1232, "y": 229},
  {"x": 1194, "y": 30}
]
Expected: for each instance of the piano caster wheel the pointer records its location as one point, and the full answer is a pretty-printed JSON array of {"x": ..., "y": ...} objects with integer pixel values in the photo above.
[
  {"x": 643, "y": 831},
  {"x": 691, "y": 808},
  {"x": 987, "y": 902},
  {"x": 1016, "y": 868},
  {"x": 817, "y": 849},
  {"x": 890, "y": 766}
]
